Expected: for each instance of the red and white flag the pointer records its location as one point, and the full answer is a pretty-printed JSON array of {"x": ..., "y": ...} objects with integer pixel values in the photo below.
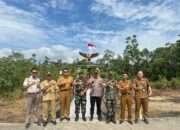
[{"x": 91, "y": 45}]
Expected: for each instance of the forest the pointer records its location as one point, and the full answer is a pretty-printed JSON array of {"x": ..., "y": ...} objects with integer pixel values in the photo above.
[{"x": 161, "y": 66}]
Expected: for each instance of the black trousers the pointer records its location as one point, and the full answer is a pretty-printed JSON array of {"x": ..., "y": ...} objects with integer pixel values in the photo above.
[{"x": 97, "y": 101}]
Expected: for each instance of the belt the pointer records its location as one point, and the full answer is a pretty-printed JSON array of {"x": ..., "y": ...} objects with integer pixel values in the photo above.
[
  {"x": 33, "y": 93},
  {"x": 65, "y": 90},
  {"x": 125, "y": 94}
]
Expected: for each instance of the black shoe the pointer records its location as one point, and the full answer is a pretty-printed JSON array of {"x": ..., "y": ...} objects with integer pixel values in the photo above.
[
  {"x": 136, "y": 121},
  {"x": 120, "y": 122},
  {"x": 62, "y": 119},
  {"x": 45, "y": 123},
  {"x": 68, "y": 119},
  {"x": 53, "y": 122},
  {"x": 77, "y": 118},
  {"x": 146, "y": 121},
  {"x": 108, "y": 121},
  {"x": 27, "y": 125},
  {"x": 113, "y": 121},
  {"x": 38, "y": 123},
  {"x": 91, "y": 118},
  {"x": 84, "y": 118},
  {"x": 130, "y": 122},
  {"x": 99, "y": 118}
]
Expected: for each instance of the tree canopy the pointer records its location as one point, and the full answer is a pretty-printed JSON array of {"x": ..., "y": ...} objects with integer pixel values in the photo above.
[{"x": 161, "y": 63}]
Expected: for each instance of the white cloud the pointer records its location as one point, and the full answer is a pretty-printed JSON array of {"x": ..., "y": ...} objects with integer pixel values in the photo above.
[
  {"x": 5, "y": 52},
  {"x": 59, "y": 4},
  {"x": 25, "y": 30},
  {"x": 155, "y": 23},
  {"x": 160, "y": 13},
  {"x": 19, "y": 28},
  {"x": 55, "y": 53}
]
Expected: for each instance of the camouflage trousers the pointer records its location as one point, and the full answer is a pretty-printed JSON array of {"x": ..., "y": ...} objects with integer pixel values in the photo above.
[
  {"x": 111, "y": 106},
  {"x": 80, "y": 103}
]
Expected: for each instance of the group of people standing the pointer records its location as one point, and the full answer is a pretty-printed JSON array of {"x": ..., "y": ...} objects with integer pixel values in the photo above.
[{"x": 42, "y": 96}]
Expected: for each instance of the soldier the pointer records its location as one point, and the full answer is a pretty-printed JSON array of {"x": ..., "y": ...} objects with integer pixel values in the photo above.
[
  {"x": 142, "y": 92},
  {"x": 125, "y": 88},
  {"x": 110, "y": 98},
  {"x": 80, "y": 96},
  {"x": 33, "y": 94},
  {"x": 49, "y": 88},
  {"x": 65, "y": 83}
]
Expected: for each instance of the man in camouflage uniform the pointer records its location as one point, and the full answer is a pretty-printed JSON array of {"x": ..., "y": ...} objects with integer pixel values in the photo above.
[
  {"x": 142, "y": 92},
  {"x": 80, "y": 96},
  {"x": 110, "y": 98}
]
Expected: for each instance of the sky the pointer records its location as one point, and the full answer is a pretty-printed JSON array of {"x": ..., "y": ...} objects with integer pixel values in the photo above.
[{"x": 60, "y": 29}]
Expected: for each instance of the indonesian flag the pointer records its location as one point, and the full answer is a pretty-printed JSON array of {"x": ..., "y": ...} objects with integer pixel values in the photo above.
[{"x": 91, "y": 45}]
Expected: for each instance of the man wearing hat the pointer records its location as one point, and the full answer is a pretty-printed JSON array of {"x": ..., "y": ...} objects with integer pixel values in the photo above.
[
  {"x": 33, "y": 95},
  {"x": 49, "y": 88},
  {"x": 96, "y": 85},
  {"x": 110, "y": 98},
  {"x": 65, "y": 84}
]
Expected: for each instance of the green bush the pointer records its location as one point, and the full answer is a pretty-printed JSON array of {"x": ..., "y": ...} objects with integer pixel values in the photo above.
[
  {"x": 160, "y": 84},
  {"x": 164, "y": 83},
  {"x": 175, "y": 83}
]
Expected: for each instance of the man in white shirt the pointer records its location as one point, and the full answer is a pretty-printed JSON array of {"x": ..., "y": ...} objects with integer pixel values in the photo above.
[{"x": 33, "y": 95}]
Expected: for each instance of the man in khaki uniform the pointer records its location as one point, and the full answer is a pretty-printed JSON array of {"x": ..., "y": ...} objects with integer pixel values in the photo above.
[
  {"x": 31, "y": 86},
  {"x": 142, "y": 92},
  {"x": 49, "y": 88},
  {"x": 65, "y": 84},
  {"x": 125, "y": 88}
]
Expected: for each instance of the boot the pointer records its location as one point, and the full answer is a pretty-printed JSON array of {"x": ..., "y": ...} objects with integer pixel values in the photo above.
[
  {"x": 91, "y": 118},
  {"x": 100, "y": 118},
  {"x": 136, "y": 121},
  {"x": 27, "y": 125},
  {"x": 146, "y": 121},
  {"x": 121, "y": 121},
  {"x": 107, "y": 120},
  {"x": 53, "y": 122},
  {"x": 130, "y": 122},
  {"x": 45, "y": 123},
  {"x": 113, "y": 119},
  {"x": 84, "y": 117},
  {"x": 77, "y": 117}
]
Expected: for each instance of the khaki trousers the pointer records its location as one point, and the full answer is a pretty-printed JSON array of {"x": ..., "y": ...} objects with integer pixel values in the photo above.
[
  {"x": 49, "y": 106},
  {"x": 33, "y": 107},
  {"x": 141, "y": 102},
  {"x": 65, "y": 101},
  {"x": 126, "y": 100}
]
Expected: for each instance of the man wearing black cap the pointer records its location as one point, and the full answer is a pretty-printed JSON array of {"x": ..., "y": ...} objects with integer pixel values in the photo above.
[{"x": 65, "y": 84}]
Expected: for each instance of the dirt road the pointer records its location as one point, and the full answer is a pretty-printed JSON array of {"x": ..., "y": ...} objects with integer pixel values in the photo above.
[{"x": 168, "y": 123}]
